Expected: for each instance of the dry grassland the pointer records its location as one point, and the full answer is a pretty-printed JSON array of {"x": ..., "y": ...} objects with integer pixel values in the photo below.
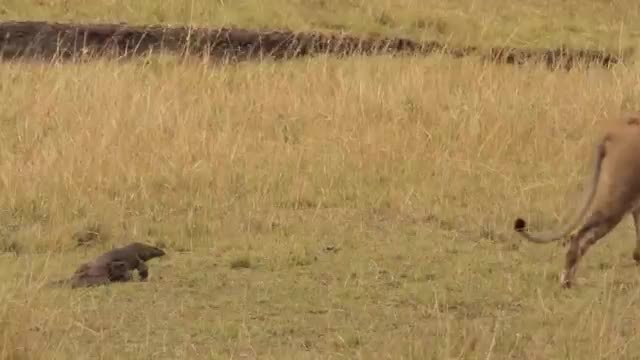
[{"x": 311, "y": 209}]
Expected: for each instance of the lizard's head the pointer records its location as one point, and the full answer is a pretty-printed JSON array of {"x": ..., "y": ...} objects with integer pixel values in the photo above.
[{"x": 146, "y": 252}]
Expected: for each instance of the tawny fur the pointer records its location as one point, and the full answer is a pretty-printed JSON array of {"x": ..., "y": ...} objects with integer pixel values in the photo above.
[
  {"x": 613, "y": 193},
  {"x": 114, "y": 265}
]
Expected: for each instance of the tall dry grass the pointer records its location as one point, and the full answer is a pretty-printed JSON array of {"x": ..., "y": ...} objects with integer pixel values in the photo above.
[
  {"x": 411, "y": 169},
  {"x": 134, "y": 145}
]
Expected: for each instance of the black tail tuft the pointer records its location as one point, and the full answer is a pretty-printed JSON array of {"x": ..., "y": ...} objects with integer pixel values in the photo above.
[{"x": 519, "y": 225}]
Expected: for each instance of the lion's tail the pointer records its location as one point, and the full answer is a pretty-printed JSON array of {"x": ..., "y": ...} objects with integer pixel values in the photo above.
[{"x": 543, "y": 238}]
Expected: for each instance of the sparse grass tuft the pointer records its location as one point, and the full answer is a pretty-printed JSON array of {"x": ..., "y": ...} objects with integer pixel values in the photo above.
[
  {"x": 243, "y": 262},
  {"x": 11, "y": 246}
]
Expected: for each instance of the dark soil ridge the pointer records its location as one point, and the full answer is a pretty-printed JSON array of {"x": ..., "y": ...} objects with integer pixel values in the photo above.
[{"x": 58, "y": 41}]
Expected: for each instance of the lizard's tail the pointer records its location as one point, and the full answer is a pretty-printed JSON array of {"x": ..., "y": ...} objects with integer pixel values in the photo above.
[{"x": 58, "y": 283}]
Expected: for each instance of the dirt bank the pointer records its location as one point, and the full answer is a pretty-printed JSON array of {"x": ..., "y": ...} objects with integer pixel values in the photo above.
[{"x": 47, "y": 41}]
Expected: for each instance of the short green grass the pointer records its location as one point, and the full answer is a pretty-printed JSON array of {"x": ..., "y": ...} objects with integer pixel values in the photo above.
[{"x": 311, "y": 209}]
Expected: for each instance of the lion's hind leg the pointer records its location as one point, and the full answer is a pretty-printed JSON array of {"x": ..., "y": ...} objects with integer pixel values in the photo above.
[
  {"x": 597, "y": 226},
  {"x": 636, "y": 222}
]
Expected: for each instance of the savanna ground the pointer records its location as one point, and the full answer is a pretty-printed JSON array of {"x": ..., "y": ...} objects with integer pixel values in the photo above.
[{"x": 317, "y": 208}]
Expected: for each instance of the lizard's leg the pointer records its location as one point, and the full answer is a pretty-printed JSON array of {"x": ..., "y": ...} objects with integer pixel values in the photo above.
[
  {"x": 119, "y": 271},
  {"x": 143, "y": 270}
]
